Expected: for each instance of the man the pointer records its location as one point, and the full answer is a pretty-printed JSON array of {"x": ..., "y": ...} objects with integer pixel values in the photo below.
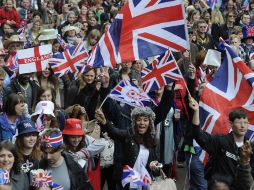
[
  {"x": 223, "y": 150},
  {"x": 65, "y": 171},
  {"x": 204, "y": 40}
]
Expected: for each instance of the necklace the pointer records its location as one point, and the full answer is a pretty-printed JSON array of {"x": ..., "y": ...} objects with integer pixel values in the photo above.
[{"x": 24, "y": 89}]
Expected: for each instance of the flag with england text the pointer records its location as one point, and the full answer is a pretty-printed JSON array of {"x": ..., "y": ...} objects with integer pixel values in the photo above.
[
  {"x": 161, "y": 72},
  {"x": 231, "y": 88},
  {"x": 130, "y": 94},
  {"x": 71, "y": 60},
  {"x": 142, "y": 29},
  {"x": 34, "y": 59}
]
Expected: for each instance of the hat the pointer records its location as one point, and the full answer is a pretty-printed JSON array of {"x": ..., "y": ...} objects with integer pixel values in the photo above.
[
  {"x": 13, "y": 39},
  {"x": 4, "y": 177},
  {"x": 54, "y": 140},
  {"x": 73, "y": 127},
  {"x": 48, "y": 34},
  {"x": 26, "y": 126},
  {"x": 69, "y": 28},
  {"x": 45, "y": 107},
  {"x": 248, "y": 31}
]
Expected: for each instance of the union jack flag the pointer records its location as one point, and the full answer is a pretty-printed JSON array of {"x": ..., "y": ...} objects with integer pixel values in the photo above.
[
  {"x": 54, "y": 140},
  {"x": 41, "y": 178},
  {"x": 130, "y": 94},
  {"x": 161, "y": 72},
  {"x": 70, "y": 61},
  {"x": 142, "y": 29},
  {"x": 214, "y": 4},
  {"x": 56, "y": 186},
  {"x": 231, "y": 88},
  {"x": 22, "y": 30},
  {"x": 39, "y": 124},
  {"x": 4, "y": 177},
  {"x": 12, "y": 62},
  {"x": 61, "y": 41}
]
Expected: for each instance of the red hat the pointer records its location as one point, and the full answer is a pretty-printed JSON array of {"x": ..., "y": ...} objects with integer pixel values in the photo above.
[{"x": 73, "y": 127}]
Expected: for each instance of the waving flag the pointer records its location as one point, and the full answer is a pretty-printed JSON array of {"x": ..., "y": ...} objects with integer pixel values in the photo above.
[
  {"x": 61, "y": 42},
  {"x": 70, "y": 61},
  {"x": 161, "y": 72},
  {"x": 130, "y": 94},
  {"x": 34, "y": 59},
  {"x": 22, "y": 30},
  {"x": 230, "y": 88},
  {"x": 142, "y": 29},
  {"x": 214, "y": 4},
  {"x": 12, "y": 62}
]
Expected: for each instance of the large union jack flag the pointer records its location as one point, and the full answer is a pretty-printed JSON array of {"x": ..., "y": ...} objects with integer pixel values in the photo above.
[
  {"x": 161, "y": 72},
  {"x": 130, "y": 94},
  {"x": 231, "y": 88},
  {"x": 142, "y": 29},
  {"x": 70, "y": 61}
]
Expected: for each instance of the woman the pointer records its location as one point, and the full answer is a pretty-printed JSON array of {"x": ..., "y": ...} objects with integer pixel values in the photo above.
[
  {"x": 34, "y": 33},
  {"x": 75, "y": 140},
  {"x": 83, "y": 14},
  {"x": 50, "y": 16},
  {"x": 14, "y": 107},
  {"x": 92, "y": 39},
  {"x": 194, "y": 16},
  {"x": 85, "y": 93},
  {"x": 9, "y": 15},
  {"x": 8, "y": 161},
  {"x": 27, "y": 144},
  {"x": 7, "y": 32},
  {"x": 139, "y": 140}
]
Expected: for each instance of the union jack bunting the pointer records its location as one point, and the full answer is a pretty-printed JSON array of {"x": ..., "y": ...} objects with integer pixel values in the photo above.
[
  {"x": 142, "y": 29},
  {"x": 4, "y": 177},
  {"x": 54, "y": 140},
  {"x": 230, "y": 88},
  {"x": 130, "y": 94},
  {"x": 70, "y": 61},
  {"x": 161, "y": 72}
]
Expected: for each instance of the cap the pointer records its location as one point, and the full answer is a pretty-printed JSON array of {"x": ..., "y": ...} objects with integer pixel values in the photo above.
[
  {"x": 26, "y": 126},
  {"x": 73, "y": 127}
]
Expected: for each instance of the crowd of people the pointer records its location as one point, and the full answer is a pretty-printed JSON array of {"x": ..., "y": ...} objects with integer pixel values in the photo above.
[{"x": 55, "y": 132}]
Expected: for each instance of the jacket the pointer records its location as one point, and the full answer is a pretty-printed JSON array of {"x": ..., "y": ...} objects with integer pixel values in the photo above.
[
  {"x": 19, "y": 181},
  {"x": 78, "y": 178},
  {"x": 9, "y": 15},
  {"x": 223, "y": 152}
]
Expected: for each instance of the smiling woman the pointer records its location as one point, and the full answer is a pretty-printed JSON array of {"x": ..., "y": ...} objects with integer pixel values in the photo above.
[{"x": 8, "y": 155}]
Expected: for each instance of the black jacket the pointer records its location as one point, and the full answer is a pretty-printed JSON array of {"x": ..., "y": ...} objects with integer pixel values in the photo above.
[{"x": 78, "y": 178}]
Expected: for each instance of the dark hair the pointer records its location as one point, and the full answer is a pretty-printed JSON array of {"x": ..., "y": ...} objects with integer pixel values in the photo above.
[
  {"x": 237, "y": 114},
  {"x": 68, "y": 147},
  {"x": 42, "y": 91},
  {"x": 200, "y": 58},
  {"x": 11, "y": 101},
  {"x": 10, "y": 147},
  {"x": 218, "y": 178},
  {"x": 37, "y": 13},
  {"x": 51, "y": 79}
]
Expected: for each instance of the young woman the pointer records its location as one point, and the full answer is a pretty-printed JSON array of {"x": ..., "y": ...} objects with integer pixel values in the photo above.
[
  {"x": 27, "y": 144},
  {"x": 8, "y": 161},
  {"x": 34, "y": 32},
  {"x": 14, "y": 107},
  {"x": 92, "y": 39},
  {"x": 75, "y": 140}
]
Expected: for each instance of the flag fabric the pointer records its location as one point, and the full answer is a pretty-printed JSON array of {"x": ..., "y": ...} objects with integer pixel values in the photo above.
[
  {"x": 69, "y": 61},
  {"x": 39, "y": 124},
  {"x": 4, "y": 177},
  {"x": 214, "y": 4},
  {"x": 131, "y": 176},
  {"x": 245, "y": 6},
  {"x": 161, "y": 72},
  {"x": 41, "y": 178},
  {"x": 142, "y": 29},
  {"x": 231, "y": 88},
  {"x": 61, "y": 42},
  {"x": 54, "y": 140},
  {"x": 22, "y": 30},
  {"x": 130, "y": 94},
  {"x": 34, "y": 59},
  {"x": 12, "y": 62}
]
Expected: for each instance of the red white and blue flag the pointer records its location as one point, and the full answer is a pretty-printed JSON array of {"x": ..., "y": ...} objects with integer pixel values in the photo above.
[
  {"x": 4, "y": 177},
  {"x": 12, "y": 62},
  {"x": 130, "y": 94},
  {"x": 54, "y": 140},
  {"x": 231, "y": 88},
  {"x": 22, "y": 30},
  {"x": 70, "y": 61},
  {"x": 142, "y": 29},
  {"x": 61, "y": 41},
  {"x": 161, "y": 72}
]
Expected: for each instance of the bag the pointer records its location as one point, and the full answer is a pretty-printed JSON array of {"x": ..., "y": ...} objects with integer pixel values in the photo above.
[
  {"x": 107, "y": 155},
  {"x": 163, "y": 183}
]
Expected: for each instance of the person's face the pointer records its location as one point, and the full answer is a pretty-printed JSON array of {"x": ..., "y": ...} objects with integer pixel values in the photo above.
[
  {"x": 50, "y": 5},
  {"x": 71, "y": 19},
  {"x": 74, "y": 140},
  {"x": 231, "y": 17},
  {"x": 7, "y": 28},
  {"x": 92, "y": 21},
  {"x": 19, "y": 108},
  {"x": 84, "y": 10},
  {"x": 84, "y": 27},
  {"x": 46, "y": 96},
  {"x": 52, "y": 157},
  {"x": 246, "y": 19},
  {"x": 37, "y": 17},
  {"x": 230, "y": 5},
  {"x": 142, "y": 124},
  {"x": 6, "y": 159},
  {"x": 126, "y": 65},
  {"x": 235, "y": 42},
  {"x": 26, "y": 4},
  {"x": 56, "y": 47},
  {"x": 249, "y": 42},
  {"x": 46, "y": 72},
  {"x": 220, "y": 186},
  {"x": 207, "y": 16},
  {"x": 93, "y": 40},
  {"x": 14, "y": 47},
  {"x": 196, "y": 16},
  {"x": 36, "y": 26},
  {"x": 29, "y": 140},
  {"x": 89, "y": 77},
  {"x": 90, "y": 13},
  {"x": 240, "y": 126},
  {"x": 138, "y": 66},
  {"x": 8, "y": 5},
  {"x": 24, "y": 78},
  {"x": 71, "y": 33},
  {"x": 202, "y": 28},
  {"x": 47, "y": 119}
]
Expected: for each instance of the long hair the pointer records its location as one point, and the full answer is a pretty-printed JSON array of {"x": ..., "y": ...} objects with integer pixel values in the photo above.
[
  {"x": 52, "y": 79},
  {"x": 68, "y": 146},
  {"x": 10, "y": 147},
  {"x": 35, "y": 154}
]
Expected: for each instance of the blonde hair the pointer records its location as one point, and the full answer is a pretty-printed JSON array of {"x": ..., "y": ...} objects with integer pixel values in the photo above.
[
  {"x": 91, "y": 34},
  {"x": 217, "y": 17}
]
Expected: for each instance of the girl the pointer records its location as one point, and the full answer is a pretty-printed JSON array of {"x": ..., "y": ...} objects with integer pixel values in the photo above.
[
  {"x": 70, "y": 35},
  {"x": 83, "y": 14},
  {"x": 8, "y": 161},
  {"x": 92, "y": 39},
  {"x": 9, "y": 15},
  {"x": 34, "y": 32}
]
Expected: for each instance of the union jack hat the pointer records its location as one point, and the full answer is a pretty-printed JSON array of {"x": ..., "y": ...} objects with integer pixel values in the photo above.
[
  {"x": 54, "y": 140},
  {"x": 248, "y": 31},
  {"x": 4, "y": 177}
]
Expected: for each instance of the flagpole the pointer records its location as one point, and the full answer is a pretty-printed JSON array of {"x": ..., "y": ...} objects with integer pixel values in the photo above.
[{"x": 103, "y": 102}]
